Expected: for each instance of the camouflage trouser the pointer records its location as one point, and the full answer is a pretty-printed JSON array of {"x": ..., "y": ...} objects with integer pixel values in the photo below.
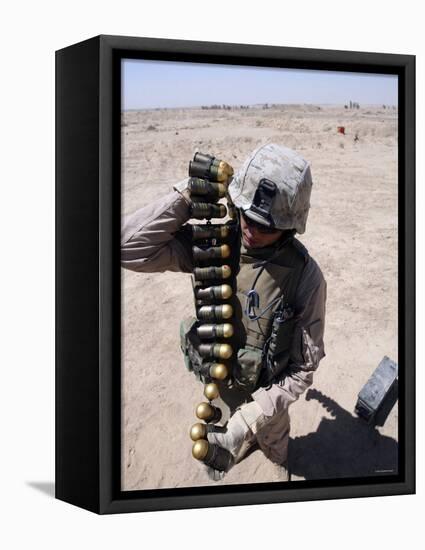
[{"x": 273, "y": 437}]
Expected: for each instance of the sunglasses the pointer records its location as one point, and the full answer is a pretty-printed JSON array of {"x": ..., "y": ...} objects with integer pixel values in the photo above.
[{"x": 258, "y": 226}]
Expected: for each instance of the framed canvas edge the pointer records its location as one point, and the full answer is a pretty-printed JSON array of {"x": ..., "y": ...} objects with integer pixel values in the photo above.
[
  {"x": 109, "y": 497},
  {"x": 76, "y": 275},
  {"x": 339, "y": 59},
  {"x": 407, "y": 302},
  {"x": 254, "y": 497}
]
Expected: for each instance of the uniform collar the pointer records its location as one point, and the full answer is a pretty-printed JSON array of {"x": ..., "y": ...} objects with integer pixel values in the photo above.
[{"x": 267, "y": 252}]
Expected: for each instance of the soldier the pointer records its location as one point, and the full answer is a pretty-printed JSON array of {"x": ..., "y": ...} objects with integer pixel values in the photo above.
[{"x": 281, "y": 296}]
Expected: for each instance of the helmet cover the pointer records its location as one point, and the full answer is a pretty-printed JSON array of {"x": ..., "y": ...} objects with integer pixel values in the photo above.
[{"x": 289, "y": 172}]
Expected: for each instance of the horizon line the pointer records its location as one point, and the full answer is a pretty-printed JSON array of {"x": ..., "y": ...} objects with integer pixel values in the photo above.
[{"x": 219, "y": 106}]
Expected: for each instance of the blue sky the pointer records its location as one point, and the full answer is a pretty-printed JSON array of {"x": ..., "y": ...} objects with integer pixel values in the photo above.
[{"x": 150, "y": 84}]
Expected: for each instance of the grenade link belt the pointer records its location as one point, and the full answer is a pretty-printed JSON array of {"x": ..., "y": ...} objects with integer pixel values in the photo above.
[{"x": 215, "y": 253}]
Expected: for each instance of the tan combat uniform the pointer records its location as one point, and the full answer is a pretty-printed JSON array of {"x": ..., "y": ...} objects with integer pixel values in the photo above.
[{"x": 150, "y": 242}]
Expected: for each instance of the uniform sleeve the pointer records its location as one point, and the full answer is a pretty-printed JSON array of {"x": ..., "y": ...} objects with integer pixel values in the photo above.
[
  {"x": 307, "y": 347},
  {"x": 152, "y": 239}
]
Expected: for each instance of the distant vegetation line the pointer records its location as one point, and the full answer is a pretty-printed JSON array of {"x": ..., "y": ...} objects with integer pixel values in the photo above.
[{"x": 225, "y": 107}]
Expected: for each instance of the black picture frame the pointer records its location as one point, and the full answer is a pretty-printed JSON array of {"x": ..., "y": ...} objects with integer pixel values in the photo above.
[{"x": 88, "y": 273}]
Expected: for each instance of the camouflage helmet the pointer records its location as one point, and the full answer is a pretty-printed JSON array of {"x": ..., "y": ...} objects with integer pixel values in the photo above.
[{"x": 273, "y": 187}]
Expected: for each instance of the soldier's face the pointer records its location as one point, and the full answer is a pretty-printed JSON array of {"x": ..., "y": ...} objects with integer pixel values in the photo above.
[{"x": 256, "y": 236}]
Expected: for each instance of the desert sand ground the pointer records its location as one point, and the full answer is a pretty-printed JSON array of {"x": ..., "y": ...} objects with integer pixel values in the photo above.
[{"x": 351, "y": 232}]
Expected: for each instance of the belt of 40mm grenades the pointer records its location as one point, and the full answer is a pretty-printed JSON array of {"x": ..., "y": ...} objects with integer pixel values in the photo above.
[{"x": 216, "y": 259}]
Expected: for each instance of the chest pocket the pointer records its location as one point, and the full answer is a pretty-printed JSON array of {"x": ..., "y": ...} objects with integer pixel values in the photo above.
[
  {"x": 247, "y": 369},
  {"x": 257, "y": 331},
  {"x": 273, "y": 282}
]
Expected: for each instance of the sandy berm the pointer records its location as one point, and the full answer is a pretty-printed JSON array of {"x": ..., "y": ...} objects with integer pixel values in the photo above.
[{"x": 351, "y": 232}]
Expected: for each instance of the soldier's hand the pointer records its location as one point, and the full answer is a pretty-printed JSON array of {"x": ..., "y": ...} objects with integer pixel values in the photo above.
[
  {"x": 239, "y": 434},
  {"x": 182, "y": 188}
]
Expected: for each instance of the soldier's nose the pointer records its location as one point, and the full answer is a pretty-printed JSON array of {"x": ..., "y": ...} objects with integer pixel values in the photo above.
[
  {"x": 249, "y": 232},
  {"x": 253, "y": 231}
]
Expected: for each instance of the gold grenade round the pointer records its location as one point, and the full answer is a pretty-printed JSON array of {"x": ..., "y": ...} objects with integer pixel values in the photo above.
[
  {"x": 211, "y": 391},
  {"x": 200, "y": 449},
  {"x": 198, "y": 431}
]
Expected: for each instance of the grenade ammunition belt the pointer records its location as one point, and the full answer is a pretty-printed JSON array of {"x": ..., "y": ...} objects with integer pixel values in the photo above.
[{"x": 215, "y": 252}]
